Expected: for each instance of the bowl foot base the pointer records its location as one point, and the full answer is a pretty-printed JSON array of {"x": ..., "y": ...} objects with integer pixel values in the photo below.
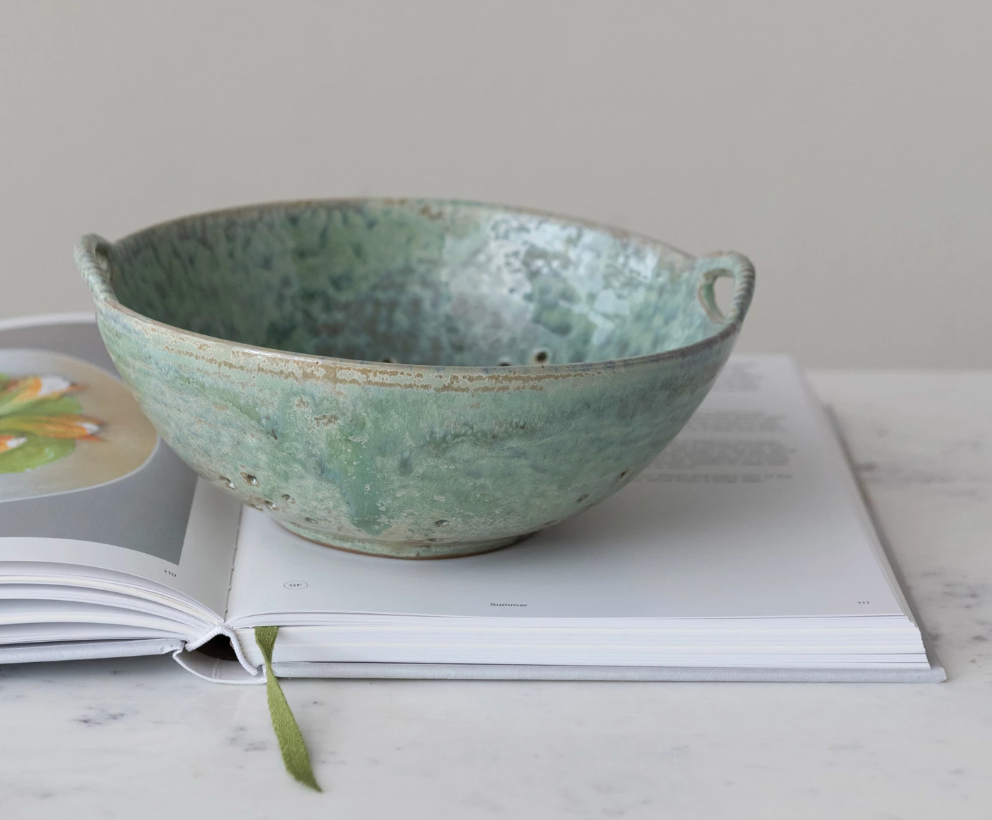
[{"x": 413, "y": 550}]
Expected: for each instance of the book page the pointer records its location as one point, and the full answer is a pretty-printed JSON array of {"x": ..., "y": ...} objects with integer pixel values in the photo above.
[
  {"x": 84, "y": 478},
  {"x": 749, "y": 513}
]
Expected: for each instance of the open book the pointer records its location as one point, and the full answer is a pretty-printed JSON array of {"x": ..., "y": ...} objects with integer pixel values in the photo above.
[{"x": 745, "y": 552}]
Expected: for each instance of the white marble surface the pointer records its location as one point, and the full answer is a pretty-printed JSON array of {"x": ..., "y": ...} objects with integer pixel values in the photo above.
[{"x": 142, "y": 738}]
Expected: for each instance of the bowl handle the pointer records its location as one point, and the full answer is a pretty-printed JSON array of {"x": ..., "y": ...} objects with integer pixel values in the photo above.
[
  {"x": 726, "y": 263},
  {"x": 92, "y": 253}
]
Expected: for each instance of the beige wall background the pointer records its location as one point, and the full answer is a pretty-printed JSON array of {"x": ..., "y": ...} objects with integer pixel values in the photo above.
[{"x": 846, "y": 147}]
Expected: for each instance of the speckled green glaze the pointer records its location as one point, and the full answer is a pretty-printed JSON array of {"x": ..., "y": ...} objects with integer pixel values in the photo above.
[{"x": 412, "y": 378}]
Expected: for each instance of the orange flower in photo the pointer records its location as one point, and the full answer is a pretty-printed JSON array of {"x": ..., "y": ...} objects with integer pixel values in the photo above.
[
  {"x": 61, "y": 426},
  {"x": 16, "y": 393},
  {"x": 10, "y": 442}
]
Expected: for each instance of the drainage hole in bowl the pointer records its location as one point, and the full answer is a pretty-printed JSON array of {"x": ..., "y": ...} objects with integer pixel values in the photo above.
[
  {"x": 250, "y": 479},
  {"x": 505, "y": 362},
  {"x": 226, "y": 482},
  {"x": 540, "y": 356},
  {"x": 389, "y": 360},
  {"x": 440, "y": 523},
  {"x": 270, "y": 506},
  {"x": 287, "y": 498},
  {"x": 310, "y": 520}
]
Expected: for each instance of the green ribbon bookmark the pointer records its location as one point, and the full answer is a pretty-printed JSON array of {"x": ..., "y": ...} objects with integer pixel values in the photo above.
[{"x": 294, "y": 751}]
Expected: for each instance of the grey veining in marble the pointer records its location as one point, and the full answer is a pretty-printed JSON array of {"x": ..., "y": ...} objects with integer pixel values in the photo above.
[{"x": 142, "y": 738}]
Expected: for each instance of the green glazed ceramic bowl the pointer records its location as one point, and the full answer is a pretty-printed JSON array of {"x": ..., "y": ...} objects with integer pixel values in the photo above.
[{"x": 412, "y": 378}]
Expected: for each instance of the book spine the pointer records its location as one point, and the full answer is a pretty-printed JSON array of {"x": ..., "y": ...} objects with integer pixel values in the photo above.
[{"x": 225, "y": 631}]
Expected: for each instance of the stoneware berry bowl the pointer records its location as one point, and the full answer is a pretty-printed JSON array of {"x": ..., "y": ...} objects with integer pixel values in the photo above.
[{"x": 412, "y": 378}]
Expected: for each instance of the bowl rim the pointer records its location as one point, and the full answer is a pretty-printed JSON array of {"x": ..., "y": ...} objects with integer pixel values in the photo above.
[{"x": 110, "y": 301}]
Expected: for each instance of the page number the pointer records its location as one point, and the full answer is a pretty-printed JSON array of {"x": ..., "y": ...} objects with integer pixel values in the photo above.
[
  {"x": 862, "y": 603},
  {"x": 170, "y": 573}
]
